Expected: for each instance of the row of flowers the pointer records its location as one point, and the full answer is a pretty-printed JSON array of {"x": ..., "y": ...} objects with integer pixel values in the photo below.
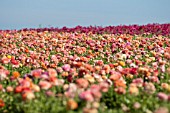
[
  {"x": 85, "y": 70},
  {"x": 158, "y": 29}
]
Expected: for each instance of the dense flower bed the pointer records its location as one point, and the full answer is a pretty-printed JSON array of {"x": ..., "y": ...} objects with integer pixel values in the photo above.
[{"x": 85, "y": 69}]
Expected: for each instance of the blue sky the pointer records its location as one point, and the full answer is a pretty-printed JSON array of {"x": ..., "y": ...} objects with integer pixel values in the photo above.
[{"x": 18, "y": 14}]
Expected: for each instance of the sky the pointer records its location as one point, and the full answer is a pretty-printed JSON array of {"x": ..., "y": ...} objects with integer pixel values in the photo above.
[{"x": 18, "y": 14}]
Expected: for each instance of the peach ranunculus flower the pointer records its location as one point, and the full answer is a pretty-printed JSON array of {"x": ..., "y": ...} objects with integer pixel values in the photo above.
[
  {"x": 82, "y": 83},
  {"x": 45, "y": 85}
]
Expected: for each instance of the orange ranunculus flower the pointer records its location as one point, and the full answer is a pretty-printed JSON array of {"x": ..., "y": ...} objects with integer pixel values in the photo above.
[
  {"x": 53, "y": 65},
  {"x": 43, "y": 65},
  {"x": 119, "y": 83},
  {"x": 71, "y": 104},
  {"x": 27, "y": 50},
  {"x": 52, "y": 72},
  {"x": 82, "y": 83},
  {"x": 115, "y": 77},
  {"x": 122, "y": 63},
  {"x": 15, "y": 74}
]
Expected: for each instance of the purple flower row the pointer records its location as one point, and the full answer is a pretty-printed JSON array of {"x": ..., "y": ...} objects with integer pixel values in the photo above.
[{"x": 157, "y": 29}]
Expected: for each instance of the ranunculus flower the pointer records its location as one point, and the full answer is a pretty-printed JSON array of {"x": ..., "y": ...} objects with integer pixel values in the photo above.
[
  {"x": 66, "y": 67},
  {"x": 15, "y": 74},
  {"x": 2, "y": 104},
  {"x": 120, "y": 83},
  {"x": 162, "y": 68},
  {"x": 5, "y": 60},
  {"x": 45, "y": 85},
  {"x": 102, "y": 72},
  {"x": 154, "y": 79},
  {"x": 149, "y": 88},
  {"x": 9, "y": 89},
  {"x": 1, "y": 87},
  {"x": 104, "y": 86},
  {"x": 50, "y": 93},
  {"x": 35, "y": 88},
  {"x": 95, "y": 104},
  {"x": 161, "y": 110},
  {"x": 72, "y": 104},
  {"x": 99, "y": 62},
  {"x": 2, "y": 75},
  {"x": 52, "y": 72},
  {"x": 82, "y": 83},
  {"x": 96, "y": 94},
  {"x": 133, "y": 71},
  {"x": 106, "y": 68},
  {"x": 59, "y": 69},
  {"x": 25, "y": 83},
  {"x": 36, "y": 73},
  {"x": 28, "y": 95},
  {"x": 18, "y": 89},
  {"x": 44, "y": 76},
  {"x": 71, "y": 90},
  {"x": 89, "y": 78},
  {"x": 133, "y": 89},
  {"x": 138, "y": 81},
  {"x": 86, "y": 95},
  {"x": 122, "y": 63},
  {"x": 120, "y": 90},
  {"x": 14, "y": 62},
  {"x": 162, "y": 96},
  {"x": 136, "y": 105},
  {"x": 114, "y": 75},
  {"x": 164, "y": 85}
]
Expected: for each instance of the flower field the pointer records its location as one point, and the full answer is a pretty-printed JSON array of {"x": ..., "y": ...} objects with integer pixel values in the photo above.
[{"x": 114, "y": 69}]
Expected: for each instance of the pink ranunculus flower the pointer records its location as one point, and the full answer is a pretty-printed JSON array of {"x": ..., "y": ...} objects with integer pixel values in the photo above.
[
  {"x": 104, "y": 86},
  {"x": 66, "y": 67},
  {"x": 136, "y": 105},
  {"x": 154, "y": 79},
  {"x": 59, "y": 69},
  {"x": 162, "y": 96},
  {"x": 162, "y": 67},
  {"x": 50, "y": 93},
  {"x": 25, "y": 83},
  {"x": 120, "y": 90},
  {"x": 86, "y": 95},
  {"x": 149, "y": 88},
  {"x": 138, "y": 81},
  {"x": 5, "y": 60}
]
